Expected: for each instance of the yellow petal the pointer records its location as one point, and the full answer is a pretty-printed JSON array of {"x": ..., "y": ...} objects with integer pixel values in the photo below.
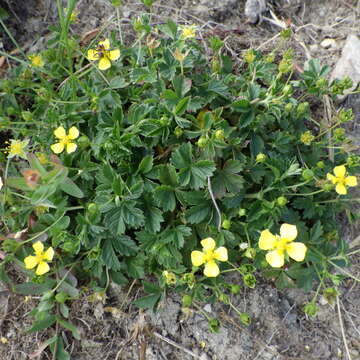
[
  {"x": 351, "y": 181},
  {"x": 211, "y": 269},
  {"x": 92, "y": 54},
  {"x": 340, "y": 171},
  {"x": 114, "y": 54},
  {"x": 275, "y": 258},
  {"x": 104, "y": 63},
  {"x": 341, "y": 189},
  {"x": 70, "y": 147},
  {"x": 267, "y": 240},
  {"x": 38, "y": 247},
  {"x": 331, "y": 177},
  {"x": 208, "y": 244},
  {"x": 288, "y": 232},
  {"x": 73, "y": 133},
  {"x": 42, "y": 268},
  {"x": 296, "y": 251},
  {"x": 221, "y": 254},
  {"x": 105, "y": 44},
  {"x": 197, "y": 258},
  {"x": 60, "y": 133},
  {"x": 30, "y": 262},
  {"x": 57, "y": 148},
  {"x": 49, "y": 254}
]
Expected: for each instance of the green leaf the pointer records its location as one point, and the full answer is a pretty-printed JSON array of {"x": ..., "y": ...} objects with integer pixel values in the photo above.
[
  {"x": 176, "y": 236},
  {"x": 227, "y": 179},
  {"x": 218, "y": 87},
  {"x": 42, "y": 193},
  {"x": 256, "y": 145},
  {"x": 316, "y": 232},
  {"x": 198, "y": 213},
  {"x": 124, "y": 214},
  {"x": 69, "y": 289},
  {"x": 191, "y": 173},
  {"x": 153, "y": 218},
  {"x": 124, "y": 245},
  {"x": 68, "y": 325},
  {"x": 168, "y": 175},
  {"x": 42, "y": 324},
  {"x": 165, "y": 197},
  {"x": 135, "y": 266},
  {"x": 181, "y": 106},
  {"x": 71, "y": 188},
  {"x": 181, "y": 85},
  {"x": 30, "y": 288},
  {"x": 169, "y": 29},
  {"x": 146, "y": 164},
  {"x": 118, "y": 83},
  {"x": 148, "y": 301},
  {"x": 109, "y": 257},
  {"x": 61, "y": 353}
]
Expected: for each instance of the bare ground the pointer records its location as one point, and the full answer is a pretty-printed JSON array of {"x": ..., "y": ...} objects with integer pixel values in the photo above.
[{"x": 111, "y": 327}]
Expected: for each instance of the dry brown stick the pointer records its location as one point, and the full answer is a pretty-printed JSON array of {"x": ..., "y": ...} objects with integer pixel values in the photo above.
[
  {"x": 342, "y": 329},
  {"x": 173, "y": 343}
]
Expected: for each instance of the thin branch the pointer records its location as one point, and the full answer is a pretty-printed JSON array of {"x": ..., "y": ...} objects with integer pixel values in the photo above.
[{"x": 214, "y": 202}]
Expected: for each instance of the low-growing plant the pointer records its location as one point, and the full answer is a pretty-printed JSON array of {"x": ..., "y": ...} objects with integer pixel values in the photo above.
[{"x": 167, "y": 160}]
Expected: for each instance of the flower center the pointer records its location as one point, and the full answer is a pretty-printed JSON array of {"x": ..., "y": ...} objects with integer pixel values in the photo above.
[
  {"x": 340, "y": 180},
  {"x": 209, "y": 255},
  {"x": 65, "y": 140},
  {"x": 281, "y": 243},
  {"x": 16, "y": 149},
  {"x": 40, "y": 257}
]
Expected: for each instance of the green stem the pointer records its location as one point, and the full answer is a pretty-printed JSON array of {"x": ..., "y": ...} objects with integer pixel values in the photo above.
[{"x": 307, "y": 194}]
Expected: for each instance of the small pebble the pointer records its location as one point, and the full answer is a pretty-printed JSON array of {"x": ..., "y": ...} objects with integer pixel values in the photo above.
[{"x": 329, "y": 44}]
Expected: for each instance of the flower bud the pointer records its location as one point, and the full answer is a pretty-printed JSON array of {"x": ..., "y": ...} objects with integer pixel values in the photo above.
[
  {"x": 260, "y": 158},
  {"x": 178, "y": 131},
  {"x": 235, "y": 289},
  {"x": 187, "y": 301},
  {"x": 219, "y": 134},
  {"x": 307, "y": 174},
  {"x": 320, "y": 164},
  {"x": 201, "y": 143},
  {"x": 226, "y": 224},
  {"x": 281, "y": 201},
  {"x": 242, "y": 212}
]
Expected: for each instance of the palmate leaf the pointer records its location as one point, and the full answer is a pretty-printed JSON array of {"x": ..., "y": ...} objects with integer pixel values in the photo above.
[
  {"x": 191, "y": 173},
  {"x": 109, "y": 255},
  {"x": 227, "y": 179},
  {"x": 124, "y": 245},
  {"x": 175, "y": 236},
  {"x": 126, "y": 214},
  {"x": 165, "y": 197}
]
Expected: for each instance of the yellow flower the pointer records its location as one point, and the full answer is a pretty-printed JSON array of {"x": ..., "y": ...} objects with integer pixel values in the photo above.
[
  {"x": 281, "y": 245},
  {"x": 40, "y": 259},
  {"x": 208, "y": 257},
  {"x": 103, "y": 54},
  {"x": 65, "y": 140},
  {"x": 17, "y": 148},
  {"x": 188, "y": 32},
  {"x": 170, "y": 277},
  {"x": 36, "y": 61},
  {"x": 341, "y": 180}
]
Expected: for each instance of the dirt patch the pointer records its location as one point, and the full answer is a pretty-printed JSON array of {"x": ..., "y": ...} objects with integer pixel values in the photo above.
[{"x": 111, "y": 328}]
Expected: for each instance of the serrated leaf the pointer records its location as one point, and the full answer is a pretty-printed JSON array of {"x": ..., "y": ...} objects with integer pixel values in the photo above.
[
  {"x": 181, "y": 85},
  {"x": 153, "y": 218},
  {"x": 198, "y": 213},
  {"x": 135, "y": 266},
  {"x": 69, "y": 187},
  {"x": 118, "y": 83},
  {"x": 169, "y": 29},
  {"x": 109, "y": 257},
  {"x": 181, "y": 106},
  {"x": 168, "y": 175},
  {"x": 124, "y": 245},
  {"x": 165, "y": 197},
  {"x": 146, "y": 164},
  {"x": 176, "y": 236},
  {"x": 218, "y": 87}
]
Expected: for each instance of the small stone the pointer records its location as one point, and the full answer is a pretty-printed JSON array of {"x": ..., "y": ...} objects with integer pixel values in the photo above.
[
  {"x": 329, "y": 44},
  {"x": 207, "y": 308}
]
